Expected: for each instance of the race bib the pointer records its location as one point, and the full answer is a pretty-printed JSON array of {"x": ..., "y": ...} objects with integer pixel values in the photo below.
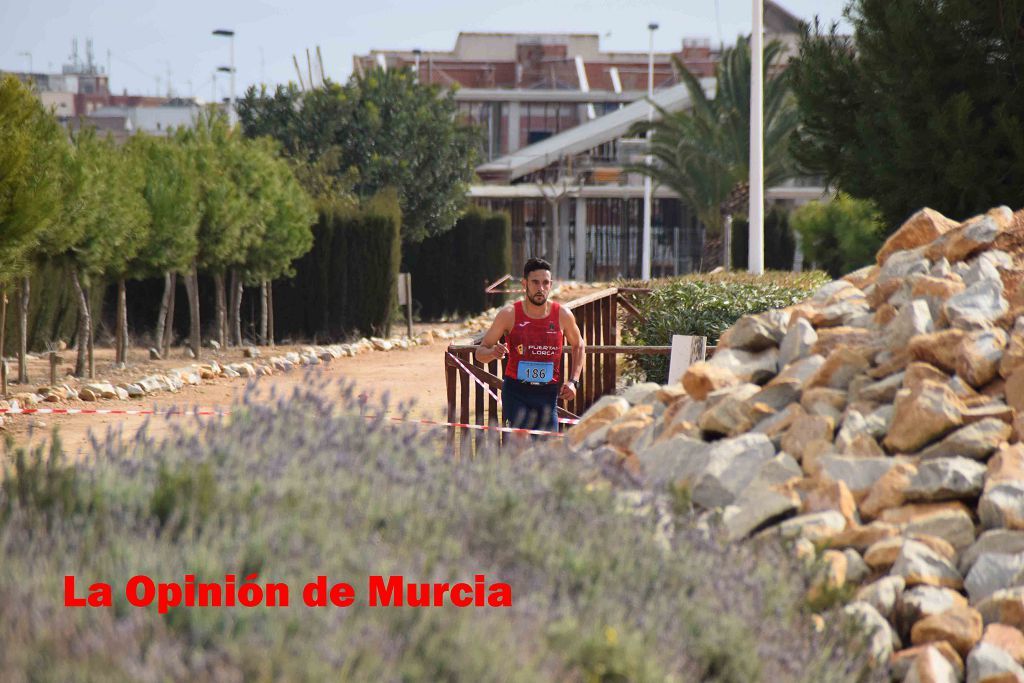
[{"x": 531, "y": 371}]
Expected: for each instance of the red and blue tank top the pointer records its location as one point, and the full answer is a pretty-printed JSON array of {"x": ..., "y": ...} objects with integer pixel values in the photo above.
[{"x": 535, "y": 347}]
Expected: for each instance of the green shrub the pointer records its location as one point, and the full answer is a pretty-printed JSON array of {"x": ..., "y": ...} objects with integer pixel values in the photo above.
[
  {"x": 300, "y": 487},
  {"x": 779, "y": 242},
  {"x": 345, "y": 285},
  {"x": 707, "y": 305},
  {"x": 839, "y": 236},
  {"x": 449, "y": 270}
]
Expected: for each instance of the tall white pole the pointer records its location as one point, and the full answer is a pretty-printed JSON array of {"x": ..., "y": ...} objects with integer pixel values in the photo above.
[
  {"x": 645, "y": 258},
  {"x": 755, "y": 252},
  {"x": 231, "y": 112}
]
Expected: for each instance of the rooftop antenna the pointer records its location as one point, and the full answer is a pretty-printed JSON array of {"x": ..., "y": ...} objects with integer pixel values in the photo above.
[
  {"x": 298, "y": 72},
  {"x": 74, "y": 53},
  {"x": 169, "y": 79},
  {"x": 88, "y": 56}
]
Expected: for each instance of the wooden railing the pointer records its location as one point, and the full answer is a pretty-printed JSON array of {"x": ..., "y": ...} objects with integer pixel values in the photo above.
[{"x": 596, "y": 314}]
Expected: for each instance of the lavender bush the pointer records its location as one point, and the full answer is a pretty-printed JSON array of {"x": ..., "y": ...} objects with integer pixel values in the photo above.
[{"x": 302, "y": 485}]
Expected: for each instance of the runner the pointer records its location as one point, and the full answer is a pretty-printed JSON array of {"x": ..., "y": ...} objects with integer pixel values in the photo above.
[{"x": 533, "y": 329}]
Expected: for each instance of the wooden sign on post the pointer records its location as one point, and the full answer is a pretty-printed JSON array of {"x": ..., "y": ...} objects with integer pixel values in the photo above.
[
  {"x": 405, "y": 297},
  {"x": 686, "y": 351}
]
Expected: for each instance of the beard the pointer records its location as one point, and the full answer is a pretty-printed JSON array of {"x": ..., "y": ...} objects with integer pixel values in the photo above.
[{"x": 539, "y": 298}]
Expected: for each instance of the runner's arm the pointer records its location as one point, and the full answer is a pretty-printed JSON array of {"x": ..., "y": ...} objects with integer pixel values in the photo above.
[
  {"x": 574, "y": 338},
  {"x": 491, "y": 347}
]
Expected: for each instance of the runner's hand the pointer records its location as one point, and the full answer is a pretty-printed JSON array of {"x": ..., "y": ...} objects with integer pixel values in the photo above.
[
  {"x": 499, "y": 351},
  {"x": 568, "y": 392}
]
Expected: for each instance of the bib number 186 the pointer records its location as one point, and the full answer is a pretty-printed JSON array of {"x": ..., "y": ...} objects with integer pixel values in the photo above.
[{"x": 529, "y": 371}]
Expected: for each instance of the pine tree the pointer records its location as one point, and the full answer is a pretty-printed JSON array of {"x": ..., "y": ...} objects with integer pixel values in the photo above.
[{"x": 921, "y": 107}]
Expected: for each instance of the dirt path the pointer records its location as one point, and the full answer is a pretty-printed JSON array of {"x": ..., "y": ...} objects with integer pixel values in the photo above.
[
  {"x": 413, "y": 376},
  {"x": 416, "y": 375}
]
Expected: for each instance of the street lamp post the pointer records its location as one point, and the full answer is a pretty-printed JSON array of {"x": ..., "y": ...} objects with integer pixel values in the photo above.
[
  {"x": 755, "y": 252},
  {"x": 645, "y": 258},
  {"x": 231, "y": 69},
  {"x": 416, "y": 54}
]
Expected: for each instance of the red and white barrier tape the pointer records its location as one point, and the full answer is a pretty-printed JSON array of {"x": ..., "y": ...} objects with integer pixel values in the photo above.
[
  {"x": 496, "y": 397},
  {"x": 462, "y": 425},
  {"x": 106, "y": 411},
  {"x": 224, "y": 413}
]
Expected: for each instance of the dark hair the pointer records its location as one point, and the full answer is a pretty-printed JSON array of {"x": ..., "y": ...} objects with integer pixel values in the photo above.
[{"x": 535, "y": 264}]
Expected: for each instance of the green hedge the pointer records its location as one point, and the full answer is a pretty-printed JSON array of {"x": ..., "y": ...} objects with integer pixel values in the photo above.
[
  {"x": 345, "y": 285},
  {"x": 449, "y": 271},
  {"x": 779, "y": 241},
  {"x": 707, "y": 305}
]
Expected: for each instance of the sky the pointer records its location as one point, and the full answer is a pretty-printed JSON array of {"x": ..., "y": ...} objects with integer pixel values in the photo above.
[{"x": 149, "y": 45}]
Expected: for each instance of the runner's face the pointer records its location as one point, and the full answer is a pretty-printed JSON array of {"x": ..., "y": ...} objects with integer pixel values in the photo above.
[{"x": 538, "y": 286}]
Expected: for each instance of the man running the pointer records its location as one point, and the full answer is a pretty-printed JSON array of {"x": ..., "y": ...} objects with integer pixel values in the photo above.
[{"x": 533, "y": 328}]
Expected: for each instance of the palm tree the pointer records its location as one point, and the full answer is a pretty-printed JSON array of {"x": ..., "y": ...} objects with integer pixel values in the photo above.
[{"x": 703, "y": 153}]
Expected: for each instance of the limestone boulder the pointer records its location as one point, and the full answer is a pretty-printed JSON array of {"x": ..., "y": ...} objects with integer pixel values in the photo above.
[
  {"x": 923, "y": 416},
  {"x": 961, "y": 627},
  {"x": 988, "y": 663},
  {"x": 919, "y": 602},
  {"x": 757, "y": 332},
  {"x": 677, "y": 459},
  {"x": 1002, "y": 506},
  {"x": 939, "y": 479},
  {"x": 703, "y": 378},
  {"x": 919, "y": 230},
  {"x": 858, "y": 473},
  {"x": 879, "y": 632},
  {"x": 1004, "y": 607},
  {"x": 939, "y": 349},
  {"x": 1003, "y": 541},
  {"x": 748, "y": 366},
  {"x": 797, "y": 342},
  {"x": 979, "y": 355},
  {"x": 841, "y": 366},
  {"x": 928, "y": 664},
  {"x": 993, "y": 572},
  {"x": 888, "y": 491},
  {"x": 977, "y": 440},
  {"x": 730, "y": 467},
  {"x": 755, "y": 511},
  {"x": 913, "y": 319},
  {"x": 882, "y": 594},
  {"x": 977, "y": 307}
]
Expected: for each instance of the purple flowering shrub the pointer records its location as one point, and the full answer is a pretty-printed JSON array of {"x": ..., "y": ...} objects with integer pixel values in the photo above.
[{"x": 297, "y": 486}]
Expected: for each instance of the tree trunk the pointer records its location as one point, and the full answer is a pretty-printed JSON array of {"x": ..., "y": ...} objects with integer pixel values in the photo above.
[
  {"x": 221, "y": 309},
  {"x": 263, "y": 312},
  {"x": 167, "y": 330},
  {"x": 3, "y": 333},
  {"x": 727, "y": 241},
  {"x": 84, "y": 324},
  {"x": 270, "y": 312},
  {"x": 161, "y": 318},
  {"x": 192, "y": 287},
  {"x": 122, "y": 323},
  {"x": 236, "y": 308},
  {"x": 23, "y": 331}
]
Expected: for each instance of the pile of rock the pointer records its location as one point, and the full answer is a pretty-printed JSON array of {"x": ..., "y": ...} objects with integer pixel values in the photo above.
[{"x": 878, "y": 425}]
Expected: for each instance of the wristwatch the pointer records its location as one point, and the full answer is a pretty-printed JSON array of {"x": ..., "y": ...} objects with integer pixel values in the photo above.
[{"x": 575, "y": 383}]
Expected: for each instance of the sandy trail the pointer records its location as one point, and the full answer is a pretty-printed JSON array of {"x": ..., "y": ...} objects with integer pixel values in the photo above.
[{"x": 416, "y": 376}]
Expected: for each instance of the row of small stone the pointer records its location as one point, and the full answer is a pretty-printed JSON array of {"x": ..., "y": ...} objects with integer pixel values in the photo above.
[{"x": 174, "y": 380}]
